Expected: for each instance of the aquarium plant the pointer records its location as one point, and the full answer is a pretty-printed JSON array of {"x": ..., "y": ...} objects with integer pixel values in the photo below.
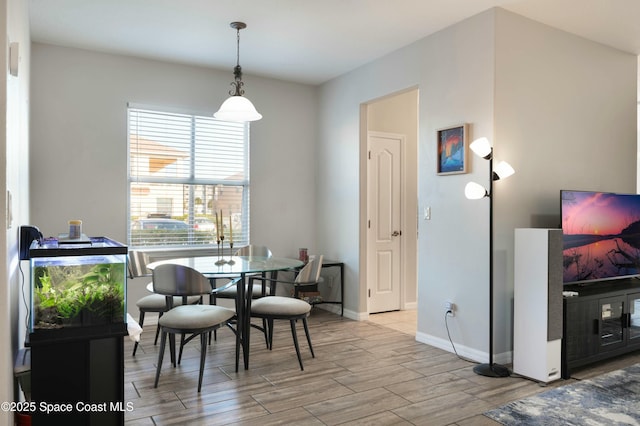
[{"x": 67, "y": 296}]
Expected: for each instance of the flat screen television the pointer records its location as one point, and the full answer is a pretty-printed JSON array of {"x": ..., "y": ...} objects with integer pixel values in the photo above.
[{"x": 601, "y": 236}]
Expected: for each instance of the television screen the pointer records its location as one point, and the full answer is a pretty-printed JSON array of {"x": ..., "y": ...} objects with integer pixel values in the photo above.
[{"x": 601, "y": 235}]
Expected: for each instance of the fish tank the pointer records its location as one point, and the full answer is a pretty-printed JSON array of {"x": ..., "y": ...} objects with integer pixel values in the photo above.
[{"x": 77, "y": 285}]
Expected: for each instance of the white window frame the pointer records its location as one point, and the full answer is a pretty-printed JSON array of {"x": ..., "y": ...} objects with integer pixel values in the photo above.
[{"x": 192, "y": 238}]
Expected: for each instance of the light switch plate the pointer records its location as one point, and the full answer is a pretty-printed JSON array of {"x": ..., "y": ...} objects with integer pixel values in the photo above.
[
  {"x": 9, "y": 209},
  {"x": 14, "y": 58},
  {"x": 427, "y": 213}
]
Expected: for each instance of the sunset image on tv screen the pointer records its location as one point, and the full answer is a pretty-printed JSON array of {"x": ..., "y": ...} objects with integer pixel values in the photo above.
[{"x": 601, "y": 235}]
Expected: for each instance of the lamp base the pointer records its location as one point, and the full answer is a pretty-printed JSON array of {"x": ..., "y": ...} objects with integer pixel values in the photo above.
[{"x": 491, "y": 370}]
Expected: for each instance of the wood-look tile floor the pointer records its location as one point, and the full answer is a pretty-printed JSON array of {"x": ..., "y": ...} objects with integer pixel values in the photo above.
[{"x": 364, "y": 373}]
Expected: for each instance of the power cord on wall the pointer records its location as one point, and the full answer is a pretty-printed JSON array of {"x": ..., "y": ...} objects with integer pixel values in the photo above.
[
  {"x": 27, "y": 318},
  {"x": 446, "y": 324}
]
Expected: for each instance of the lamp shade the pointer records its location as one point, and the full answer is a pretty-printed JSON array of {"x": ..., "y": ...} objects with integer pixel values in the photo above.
[
  {"x": 237, "y": 108},
  {"x": 503, "y": 170},
  {"x": 474, "y": 191},
  {"x": 481, "y": 147}
]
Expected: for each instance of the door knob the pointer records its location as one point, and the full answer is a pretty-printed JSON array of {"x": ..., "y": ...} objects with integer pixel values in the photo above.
[{"x": 396, "y": 233}]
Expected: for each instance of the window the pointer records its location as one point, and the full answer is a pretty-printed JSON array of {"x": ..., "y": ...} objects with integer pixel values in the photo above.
[{"x": 188, "y": 180}]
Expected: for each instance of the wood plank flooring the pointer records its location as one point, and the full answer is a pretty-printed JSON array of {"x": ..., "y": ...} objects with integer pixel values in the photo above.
[{"x": 364, "y": 373}]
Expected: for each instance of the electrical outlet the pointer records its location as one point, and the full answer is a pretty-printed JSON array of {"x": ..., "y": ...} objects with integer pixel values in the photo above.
[{"x": 449, "y": 308}]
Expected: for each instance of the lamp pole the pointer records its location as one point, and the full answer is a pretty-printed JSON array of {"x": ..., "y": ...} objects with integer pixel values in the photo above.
[{"x": 490, "y": 369}]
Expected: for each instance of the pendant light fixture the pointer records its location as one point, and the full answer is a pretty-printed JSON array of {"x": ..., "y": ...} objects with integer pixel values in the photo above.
[{"x": 237, "y": 107}]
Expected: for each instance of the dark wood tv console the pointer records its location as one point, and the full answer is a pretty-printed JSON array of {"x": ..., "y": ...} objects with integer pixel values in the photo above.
[{"x": 601, "y": 322}]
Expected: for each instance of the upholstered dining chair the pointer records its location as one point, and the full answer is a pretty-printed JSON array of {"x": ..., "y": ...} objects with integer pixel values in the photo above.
[
  {"x": 199, "y": 320},
  {"x": 270, "y": 308},
  {"x": 309, "y": 277},
  {"x": 156, "y": 303},
  {"x": 259, "y": 290}
]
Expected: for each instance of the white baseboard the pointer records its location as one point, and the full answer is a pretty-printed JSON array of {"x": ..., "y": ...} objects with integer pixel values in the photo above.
[
  {"x": 333, "y": 308},
  {"x": 463, "y": 351}
]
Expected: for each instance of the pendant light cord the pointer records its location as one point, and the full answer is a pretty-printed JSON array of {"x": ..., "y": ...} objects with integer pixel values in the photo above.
[
  {"x": 237, "y": 71},
  {"x": 238, "y": 47}
]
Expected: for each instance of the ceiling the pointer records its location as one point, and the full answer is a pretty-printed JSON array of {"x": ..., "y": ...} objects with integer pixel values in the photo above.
[{"x": 307, "y": 41}]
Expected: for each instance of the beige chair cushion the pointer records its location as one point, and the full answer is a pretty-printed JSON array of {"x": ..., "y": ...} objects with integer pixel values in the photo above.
[
  {"x": 158, "y": 301},
  {"x": 230, "y": 293},
  {"x": 279, "y": 305},
  {"x": 191, "y": 317}
]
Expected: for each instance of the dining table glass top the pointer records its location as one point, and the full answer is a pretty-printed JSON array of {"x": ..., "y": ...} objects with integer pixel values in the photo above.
[{"x": 233, "y": 265}]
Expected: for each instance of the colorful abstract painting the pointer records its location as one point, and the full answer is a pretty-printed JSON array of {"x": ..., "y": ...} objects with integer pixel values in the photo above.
[{"x": 452, "y": 150}]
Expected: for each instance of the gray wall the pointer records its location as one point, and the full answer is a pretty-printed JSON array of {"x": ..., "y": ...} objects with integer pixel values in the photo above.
[
  {"x": 565, "y": 118},
  {"x": 79, "y": 141},
  {"x": 559, "y": 108},
  {"x": 450, "y": 92},
  {"x": 492, "y": 71}
]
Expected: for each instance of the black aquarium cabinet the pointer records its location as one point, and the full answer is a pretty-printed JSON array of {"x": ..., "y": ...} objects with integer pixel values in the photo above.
[
  {"x": 78, "y": 321},
  {"x": 601, "y": 322}
]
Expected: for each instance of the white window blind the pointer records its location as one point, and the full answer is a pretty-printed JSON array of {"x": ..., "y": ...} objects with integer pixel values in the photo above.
[{"x": 188, "y": 180}]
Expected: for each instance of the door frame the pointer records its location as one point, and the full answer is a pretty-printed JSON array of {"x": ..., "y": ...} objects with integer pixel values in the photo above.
[{"x": 410, "y": 210}]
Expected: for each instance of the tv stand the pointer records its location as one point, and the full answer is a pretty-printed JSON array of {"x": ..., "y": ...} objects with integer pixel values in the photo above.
[{"x": 601, "y": 322}]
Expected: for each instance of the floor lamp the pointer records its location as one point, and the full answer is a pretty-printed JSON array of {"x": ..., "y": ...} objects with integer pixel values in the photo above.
[{"x": 474, "y": 191}]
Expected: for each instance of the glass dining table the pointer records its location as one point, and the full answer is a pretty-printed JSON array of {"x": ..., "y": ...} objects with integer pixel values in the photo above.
[{"x": 214, "y": 267}]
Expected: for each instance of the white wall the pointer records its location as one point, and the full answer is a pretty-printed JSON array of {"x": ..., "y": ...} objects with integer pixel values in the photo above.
[
  {"x": 79, "y": 142},
  {"x": 14, "y": 118},
  {"x": 480, "y": 72}
]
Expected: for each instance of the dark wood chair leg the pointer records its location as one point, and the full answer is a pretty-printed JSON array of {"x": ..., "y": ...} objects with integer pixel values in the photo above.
[
  {"x": 172, "y": 348},
  {"x": 181, "y": 347},
  {"x": 203, "y": 355},
  {"x": 270, "y": 326},
  {"x": 141, "y": 322},
  {"x": 295, "y": 342},
  {"x": 163, "y": 341},
  {"x": 306, "y": 331},
  {"x": 155, "y": 342},
  {"x": 266, "y": 331}
]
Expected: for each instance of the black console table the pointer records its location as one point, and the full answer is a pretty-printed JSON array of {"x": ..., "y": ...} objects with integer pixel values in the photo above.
[
  {"x": 318, "y": 300},
  {"x": 601, "y": 322},
  {"x": 331, "y": 264}
]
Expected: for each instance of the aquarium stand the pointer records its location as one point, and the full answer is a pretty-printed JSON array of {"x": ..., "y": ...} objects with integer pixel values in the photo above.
[
  {"x": 77, "y": 329},
  {"x": 83, "y": 369}
]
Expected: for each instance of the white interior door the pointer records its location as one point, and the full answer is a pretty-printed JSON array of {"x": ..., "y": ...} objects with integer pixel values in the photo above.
[{"x": 384, "y": 221}]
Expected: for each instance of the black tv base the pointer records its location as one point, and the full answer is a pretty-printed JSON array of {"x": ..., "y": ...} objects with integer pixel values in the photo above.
[{"x": 601, "y": 322}]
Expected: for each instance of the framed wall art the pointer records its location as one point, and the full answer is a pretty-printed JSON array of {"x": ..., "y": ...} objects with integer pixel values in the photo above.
[{"x": 453, "y": 149}]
